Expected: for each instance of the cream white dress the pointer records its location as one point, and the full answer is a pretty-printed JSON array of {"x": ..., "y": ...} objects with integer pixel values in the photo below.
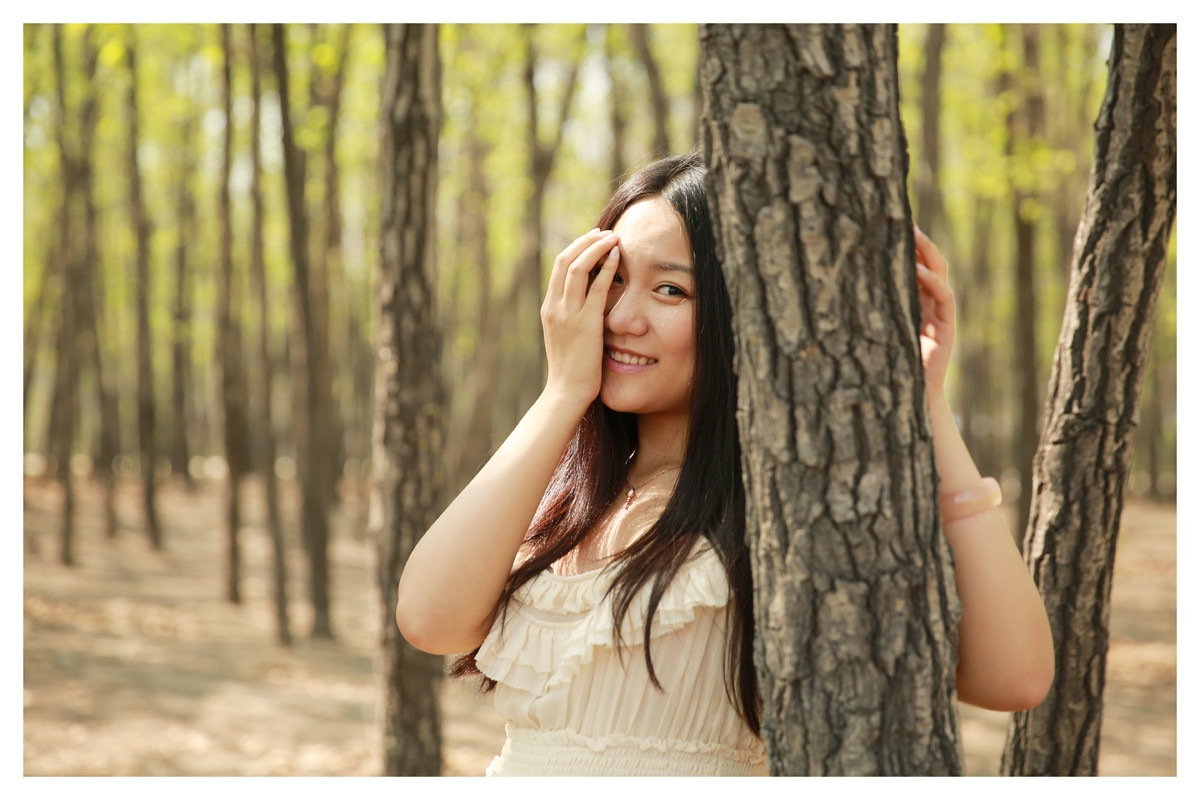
[{"x": 575, "y": 708}]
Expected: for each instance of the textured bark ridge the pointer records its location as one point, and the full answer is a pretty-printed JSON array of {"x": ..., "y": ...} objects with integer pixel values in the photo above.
[
  {"x": 855, "y": 609},
  {"x": 407, "y": 484},
  {"x": 1090, "y": 416}
]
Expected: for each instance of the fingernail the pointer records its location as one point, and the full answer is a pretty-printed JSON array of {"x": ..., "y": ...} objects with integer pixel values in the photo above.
[{"x": 612, "y": 253}]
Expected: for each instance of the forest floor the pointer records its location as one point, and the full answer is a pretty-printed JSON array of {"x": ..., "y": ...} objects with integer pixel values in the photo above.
[{"x": 135, "y": 665}]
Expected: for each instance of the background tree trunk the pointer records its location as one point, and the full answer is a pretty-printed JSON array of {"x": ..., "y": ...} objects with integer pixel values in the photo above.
[
  {"x": 639, "y": 38},
  {"x": 229, "y": 344},
  {"x": 141, "y": 227},
  {"x": 314, "y": 514},
  {"x": 1025, "y": 122},
  {"x": 181, "y": 311},
  {"x": 929, "y": 192},
  {"x": 407, "y": 486},
  {"x": 855, "y": 608},
  {"x": 1091, "y": 412},
  {"x": 65, "y": 405},
  {"x": 616, "y": 110},
  {"x": 90, "y": 295},
  {"x": 266, "y": 432}
]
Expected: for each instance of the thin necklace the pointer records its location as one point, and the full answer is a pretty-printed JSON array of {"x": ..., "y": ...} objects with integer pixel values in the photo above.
[{"x": 633, "y": 489}]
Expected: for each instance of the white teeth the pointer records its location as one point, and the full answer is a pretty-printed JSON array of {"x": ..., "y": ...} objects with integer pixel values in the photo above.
[{"x": 623, "y": 358}]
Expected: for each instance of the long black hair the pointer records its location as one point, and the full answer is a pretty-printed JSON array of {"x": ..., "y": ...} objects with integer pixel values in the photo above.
[{"x": 708, "y": 499}]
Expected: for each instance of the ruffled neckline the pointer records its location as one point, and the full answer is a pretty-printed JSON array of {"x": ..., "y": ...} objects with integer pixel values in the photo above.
[{"x": 555, "y": 623}]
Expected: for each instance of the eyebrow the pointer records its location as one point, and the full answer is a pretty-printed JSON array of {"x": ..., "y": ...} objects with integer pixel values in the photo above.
[{"x": 665, "y": 267}]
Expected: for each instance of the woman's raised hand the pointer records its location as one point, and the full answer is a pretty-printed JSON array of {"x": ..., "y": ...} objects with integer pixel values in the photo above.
[
  {"x": 573, "y": 315},
  {"x": 937, "y": 313}
]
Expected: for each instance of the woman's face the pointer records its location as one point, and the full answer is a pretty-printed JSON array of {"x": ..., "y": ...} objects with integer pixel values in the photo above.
[{"x": 649, "y": 319}]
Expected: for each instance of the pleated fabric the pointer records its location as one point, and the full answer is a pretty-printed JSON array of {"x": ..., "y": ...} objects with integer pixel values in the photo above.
[{"x": 577, "y": 706}]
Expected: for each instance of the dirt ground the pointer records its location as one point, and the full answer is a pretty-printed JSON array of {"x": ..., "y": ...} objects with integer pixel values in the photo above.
[{"x": 135, "y": 665}]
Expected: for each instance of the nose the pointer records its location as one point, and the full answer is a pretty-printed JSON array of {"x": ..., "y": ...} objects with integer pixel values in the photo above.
[{"x": 624, "y": 314}]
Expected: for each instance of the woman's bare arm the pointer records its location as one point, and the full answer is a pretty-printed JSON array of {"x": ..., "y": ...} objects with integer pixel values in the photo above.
[
  {"x": 454, "y": 576},
  {"x": 1005, "y": 649}
]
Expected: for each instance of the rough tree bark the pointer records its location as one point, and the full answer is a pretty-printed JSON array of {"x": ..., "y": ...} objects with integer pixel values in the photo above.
[
  {"x": 314, "y": 513},
  {"x": 266, "y": 431},
  {"x": 141, "y": 227},
  {"x": 229, "y": 344},
  {"x": 1091, "y": 412},
  {"x": 407, "y": 485},
  {"x": 855, "y": 608}
]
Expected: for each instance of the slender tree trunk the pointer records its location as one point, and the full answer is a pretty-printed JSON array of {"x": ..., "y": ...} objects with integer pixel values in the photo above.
[
  {"x": 855, "y": 607},
  {"x": 181, "y": 309},
  {"x": 65, "y": 405},
  {"x": 90, "y": 296},
  {"x": 266, "y": 434},
  {"x": 1095, "y": 385},
  {"x": 1024, "y": 123},
  {"x": 929, "y": 189},
  {"x": 469, "y": 441},
  {"x": 616, "y": 110},
  {"x": 659, "y": 111},
  {"x": 333, "y": 268},
  {"x": 230, "y": 347},
  {"x": 541, "y": 157},
  {"x": 407, "y": 486},
  {"x": 35, "y": 321},
  {"x": 141, "y": 227},
  {"x": 973, "y": 298},
  {"x": 314, "y": 514}
]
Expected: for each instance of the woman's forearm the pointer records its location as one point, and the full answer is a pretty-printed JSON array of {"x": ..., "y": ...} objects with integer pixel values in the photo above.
[
  {"x": 1005, "y": 652},
  {"x": 455, "y": 574}
]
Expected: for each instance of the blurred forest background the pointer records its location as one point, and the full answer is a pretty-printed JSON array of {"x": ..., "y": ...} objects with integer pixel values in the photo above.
[{"x": 164, "y": 353}]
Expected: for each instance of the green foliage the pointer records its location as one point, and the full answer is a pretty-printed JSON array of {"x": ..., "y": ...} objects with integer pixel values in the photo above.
[{"x": 483, "y": 96}]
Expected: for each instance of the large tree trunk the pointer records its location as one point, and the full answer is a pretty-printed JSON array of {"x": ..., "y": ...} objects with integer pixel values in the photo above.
[
  {"x": 407, "y": 484},
  {"x": 141, "y": 227},
  {"x": 229, "y": 345},
  {"x": 639, "y": 38},
  {"x": 314, "y": 513},
  {"x": 1091, "y": 411},
  {"x": 266, "y": 433},
  {"x": 855, "y": 607}
]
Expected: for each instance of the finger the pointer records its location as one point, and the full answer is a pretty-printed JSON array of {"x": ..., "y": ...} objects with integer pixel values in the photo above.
[
  {"x": 558, "y": 275},
  {"x": 598, "y": 291},
  {"x": 929, "y": 255},
  {"x": 575, "y": 284},
  {"x": 932, "y": 285}
]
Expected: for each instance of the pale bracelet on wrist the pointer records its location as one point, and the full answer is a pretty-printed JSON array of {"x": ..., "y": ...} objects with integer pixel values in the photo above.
[{"x": 969, "y": 502}]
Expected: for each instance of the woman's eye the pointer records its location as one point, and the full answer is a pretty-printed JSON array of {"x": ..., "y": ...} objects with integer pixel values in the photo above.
[
  {"x": 617, "y": 278},
  {"x": 670, "y": 290}
]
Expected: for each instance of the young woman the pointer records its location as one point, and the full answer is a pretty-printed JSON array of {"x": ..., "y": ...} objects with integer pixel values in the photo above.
[{"x": 595, "y": 570}]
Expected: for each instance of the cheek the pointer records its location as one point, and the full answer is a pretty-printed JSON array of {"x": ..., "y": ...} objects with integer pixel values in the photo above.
[{"x": 680, "y": 334}]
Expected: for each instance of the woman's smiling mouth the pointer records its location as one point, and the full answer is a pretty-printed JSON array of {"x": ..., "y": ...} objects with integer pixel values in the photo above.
[{"x": 620, "y": 361}]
